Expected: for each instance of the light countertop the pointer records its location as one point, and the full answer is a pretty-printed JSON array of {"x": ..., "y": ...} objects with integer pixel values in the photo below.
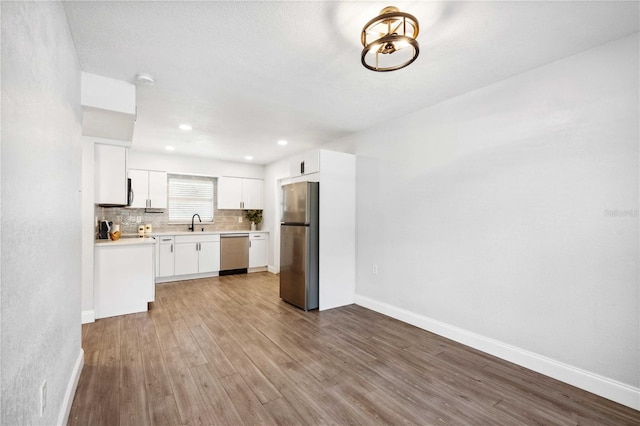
[
  {"x": 131, "y": 239},
  {"x": 207, "y": 232}
]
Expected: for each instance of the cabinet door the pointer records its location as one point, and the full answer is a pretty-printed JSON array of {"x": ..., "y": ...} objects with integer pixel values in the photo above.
[
  {"x": 110, "y": 174},
  {"x": 257, "y": 253},
  {"x": 140, "y": 187},
  {"x": 209, "y": 256},
  {"x": 158, "y": 189},
  {"x": 304, "y": 164},
  {"x": 311, "y": 161},
  {"x": 186, "y": 258},
  {"x": 252, "y": 194},
  {"x": 167, "y": 260},
  {"x": 229, "y": 193}
]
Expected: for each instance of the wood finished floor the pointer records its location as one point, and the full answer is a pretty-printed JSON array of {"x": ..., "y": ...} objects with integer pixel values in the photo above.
[{"x": 228, "y": 351}]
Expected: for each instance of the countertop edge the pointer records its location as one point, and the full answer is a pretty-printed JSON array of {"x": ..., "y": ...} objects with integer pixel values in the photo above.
[{"x": 132, "y": 240}]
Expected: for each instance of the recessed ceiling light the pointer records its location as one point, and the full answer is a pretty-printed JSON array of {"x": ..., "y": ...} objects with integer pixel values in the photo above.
[
  {"x": 169, "y": 148},
  {"x": 145, "y": 79},
  {"x": 185, "y": 127},
  {"x": 282, "y": 142},
  {"x": 248, "y": 157}
]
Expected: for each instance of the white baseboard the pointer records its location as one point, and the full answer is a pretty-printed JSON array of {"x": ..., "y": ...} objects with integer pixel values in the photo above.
[
  {"x": 67, "y": 401},
  {"x": 607, "y": 388},
  {"x": 273, "y": 269},
  {"x": 88, "y": 316}
]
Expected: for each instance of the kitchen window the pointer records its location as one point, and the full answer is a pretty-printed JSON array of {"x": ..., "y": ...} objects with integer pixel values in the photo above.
[{"x": 189, "y": 195}]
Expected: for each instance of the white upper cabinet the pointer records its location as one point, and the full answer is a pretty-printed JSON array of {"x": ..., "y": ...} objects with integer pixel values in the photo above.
[
  {"x": 240, "y": 193},
  {"x": 110, "y": 167},
  {"x": 109, "y": 107},
  {"x": 305, "y": 164},
  {"x": 252, "y": 190},
  {"x": 149, "y": 188},
  {"x": 157, "y": 189}
]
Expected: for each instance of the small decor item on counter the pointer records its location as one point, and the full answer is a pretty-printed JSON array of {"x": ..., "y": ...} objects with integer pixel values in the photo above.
[
  {"x": 115, "y": 232},
  {"x": 147, "y": 230},
  {"x": 104, "y": 227},
  {"x": 140, "y": 230},
  {"x": 255, "y": 216}
]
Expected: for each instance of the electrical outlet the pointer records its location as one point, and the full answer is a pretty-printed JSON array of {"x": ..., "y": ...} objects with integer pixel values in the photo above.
[
  {"x": 374, "y": 269},
  {"x": 43, "y": 398},
  {"x": 240, "y": 219},
  {"x": 138, "y": 219}
]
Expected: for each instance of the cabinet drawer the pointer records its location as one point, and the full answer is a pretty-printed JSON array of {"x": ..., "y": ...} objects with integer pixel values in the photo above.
[
  {"x": 197, "y": 238},
  {"x": 258, "y": 236}
]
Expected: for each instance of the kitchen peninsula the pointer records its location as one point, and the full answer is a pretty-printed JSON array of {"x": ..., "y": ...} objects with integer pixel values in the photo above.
[{"x": 124, "y": 278}]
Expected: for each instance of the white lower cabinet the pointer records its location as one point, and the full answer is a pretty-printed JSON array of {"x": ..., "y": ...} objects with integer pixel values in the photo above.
[
  {"x": 196, "y": 254},
  {"x": 166, "y": 257},
  {"x": 209, "y": 256},
  {"x": 181, "y": 257},
  {"x": 257, "y": 250},
  {"x": 123, "y": 278}
]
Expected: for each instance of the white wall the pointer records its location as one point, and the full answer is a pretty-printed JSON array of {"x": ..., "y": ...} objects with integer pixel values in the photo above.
[
  {"x": 492, "y": 219},
  {"x": 274, "y": 173},
  {"x": 41, "y": 227},
  {"x": 192, "y": 165},
  {"x": 88, "y": 229}
]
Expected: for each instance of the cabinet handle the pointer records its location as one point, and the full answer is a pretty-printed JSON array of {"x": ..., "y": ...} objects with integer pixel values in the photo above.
[
  {"x": 302, "y": 167},
  {"x": 171, "y": 248}
]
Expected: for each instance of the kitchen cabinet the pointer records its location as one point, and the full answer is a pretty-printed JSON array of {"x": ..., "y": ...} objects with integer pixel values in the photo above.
[
  {"x": 257, "y": 250},
  {"x": 305, "y": 164},
  {"x": 123, "y": 277},
  {"x": 240, "y": 193},
  {"x": 336, "y": 172},
  {"x": 166, "y": 257},
  {"x": 149, "y": 189},
  {"x": 196, "y": 254},
  {"x": 110, "y": 167},
  {"x": 337, "y": 251}
]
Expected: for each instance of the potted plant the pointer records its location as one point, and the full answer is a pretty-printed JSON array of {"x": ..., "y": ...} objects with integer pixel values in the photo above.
[{"x": 255, "y": 217}]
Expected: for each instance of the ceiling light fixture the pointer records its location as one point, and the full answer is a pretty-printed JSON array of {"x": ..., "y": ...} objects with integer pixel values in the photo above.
[
  {"x": 169, "y": 148},
  {"x": 145, "y": 79},
  {"x": 248, "y": 157},
  {"x": 282, "y": 142},
  {"x": 389, "y": 40},
  {"x": 186, "y": 127}
]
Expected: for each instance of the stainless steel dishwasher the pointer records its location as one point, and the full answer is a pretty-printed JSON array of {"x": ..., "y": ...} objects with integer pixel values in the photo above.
[{"x": 234, "y": 253}]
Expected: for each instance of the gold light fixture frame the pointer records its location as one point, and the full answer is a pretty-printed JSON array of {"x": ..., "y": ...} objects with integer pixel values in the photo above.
[{"x": 391, "y": 26}]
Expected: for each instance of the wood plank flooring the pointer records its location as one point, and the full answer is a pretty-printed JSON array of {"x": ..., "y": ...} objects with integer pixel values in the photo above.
[{"x": 228, "y": 351}]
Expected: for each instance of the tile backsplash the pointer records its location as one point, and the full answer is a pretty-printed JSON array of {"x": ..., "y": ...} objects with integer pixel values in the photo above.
[{"x": 223, "y": 220}]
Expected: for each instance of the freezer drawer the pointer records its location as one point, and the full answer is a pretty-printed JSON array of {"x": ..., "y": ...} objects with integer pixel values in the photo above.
[{"x": 298, "y": 267}]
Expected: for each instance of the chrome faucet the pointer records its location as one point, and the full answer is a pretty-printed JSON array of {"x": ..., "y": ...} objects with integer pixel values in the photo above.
[{"x": 191, "y": 228}]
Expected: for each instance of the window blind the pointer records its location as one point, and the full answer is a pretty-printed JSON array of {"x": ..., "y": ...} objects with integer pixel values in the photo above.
[{"x": 188, "y": 196}]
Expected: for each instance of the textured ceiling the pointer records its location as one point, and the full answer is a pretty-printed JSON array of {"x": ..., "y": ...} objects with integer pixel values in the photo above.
[{"x": 246, "y": 74}]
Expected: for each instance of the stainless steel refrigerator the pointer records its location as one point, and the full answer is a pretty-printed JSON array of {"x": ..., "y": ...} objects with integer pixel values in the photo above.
[{"x": 299, "y": 245}]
